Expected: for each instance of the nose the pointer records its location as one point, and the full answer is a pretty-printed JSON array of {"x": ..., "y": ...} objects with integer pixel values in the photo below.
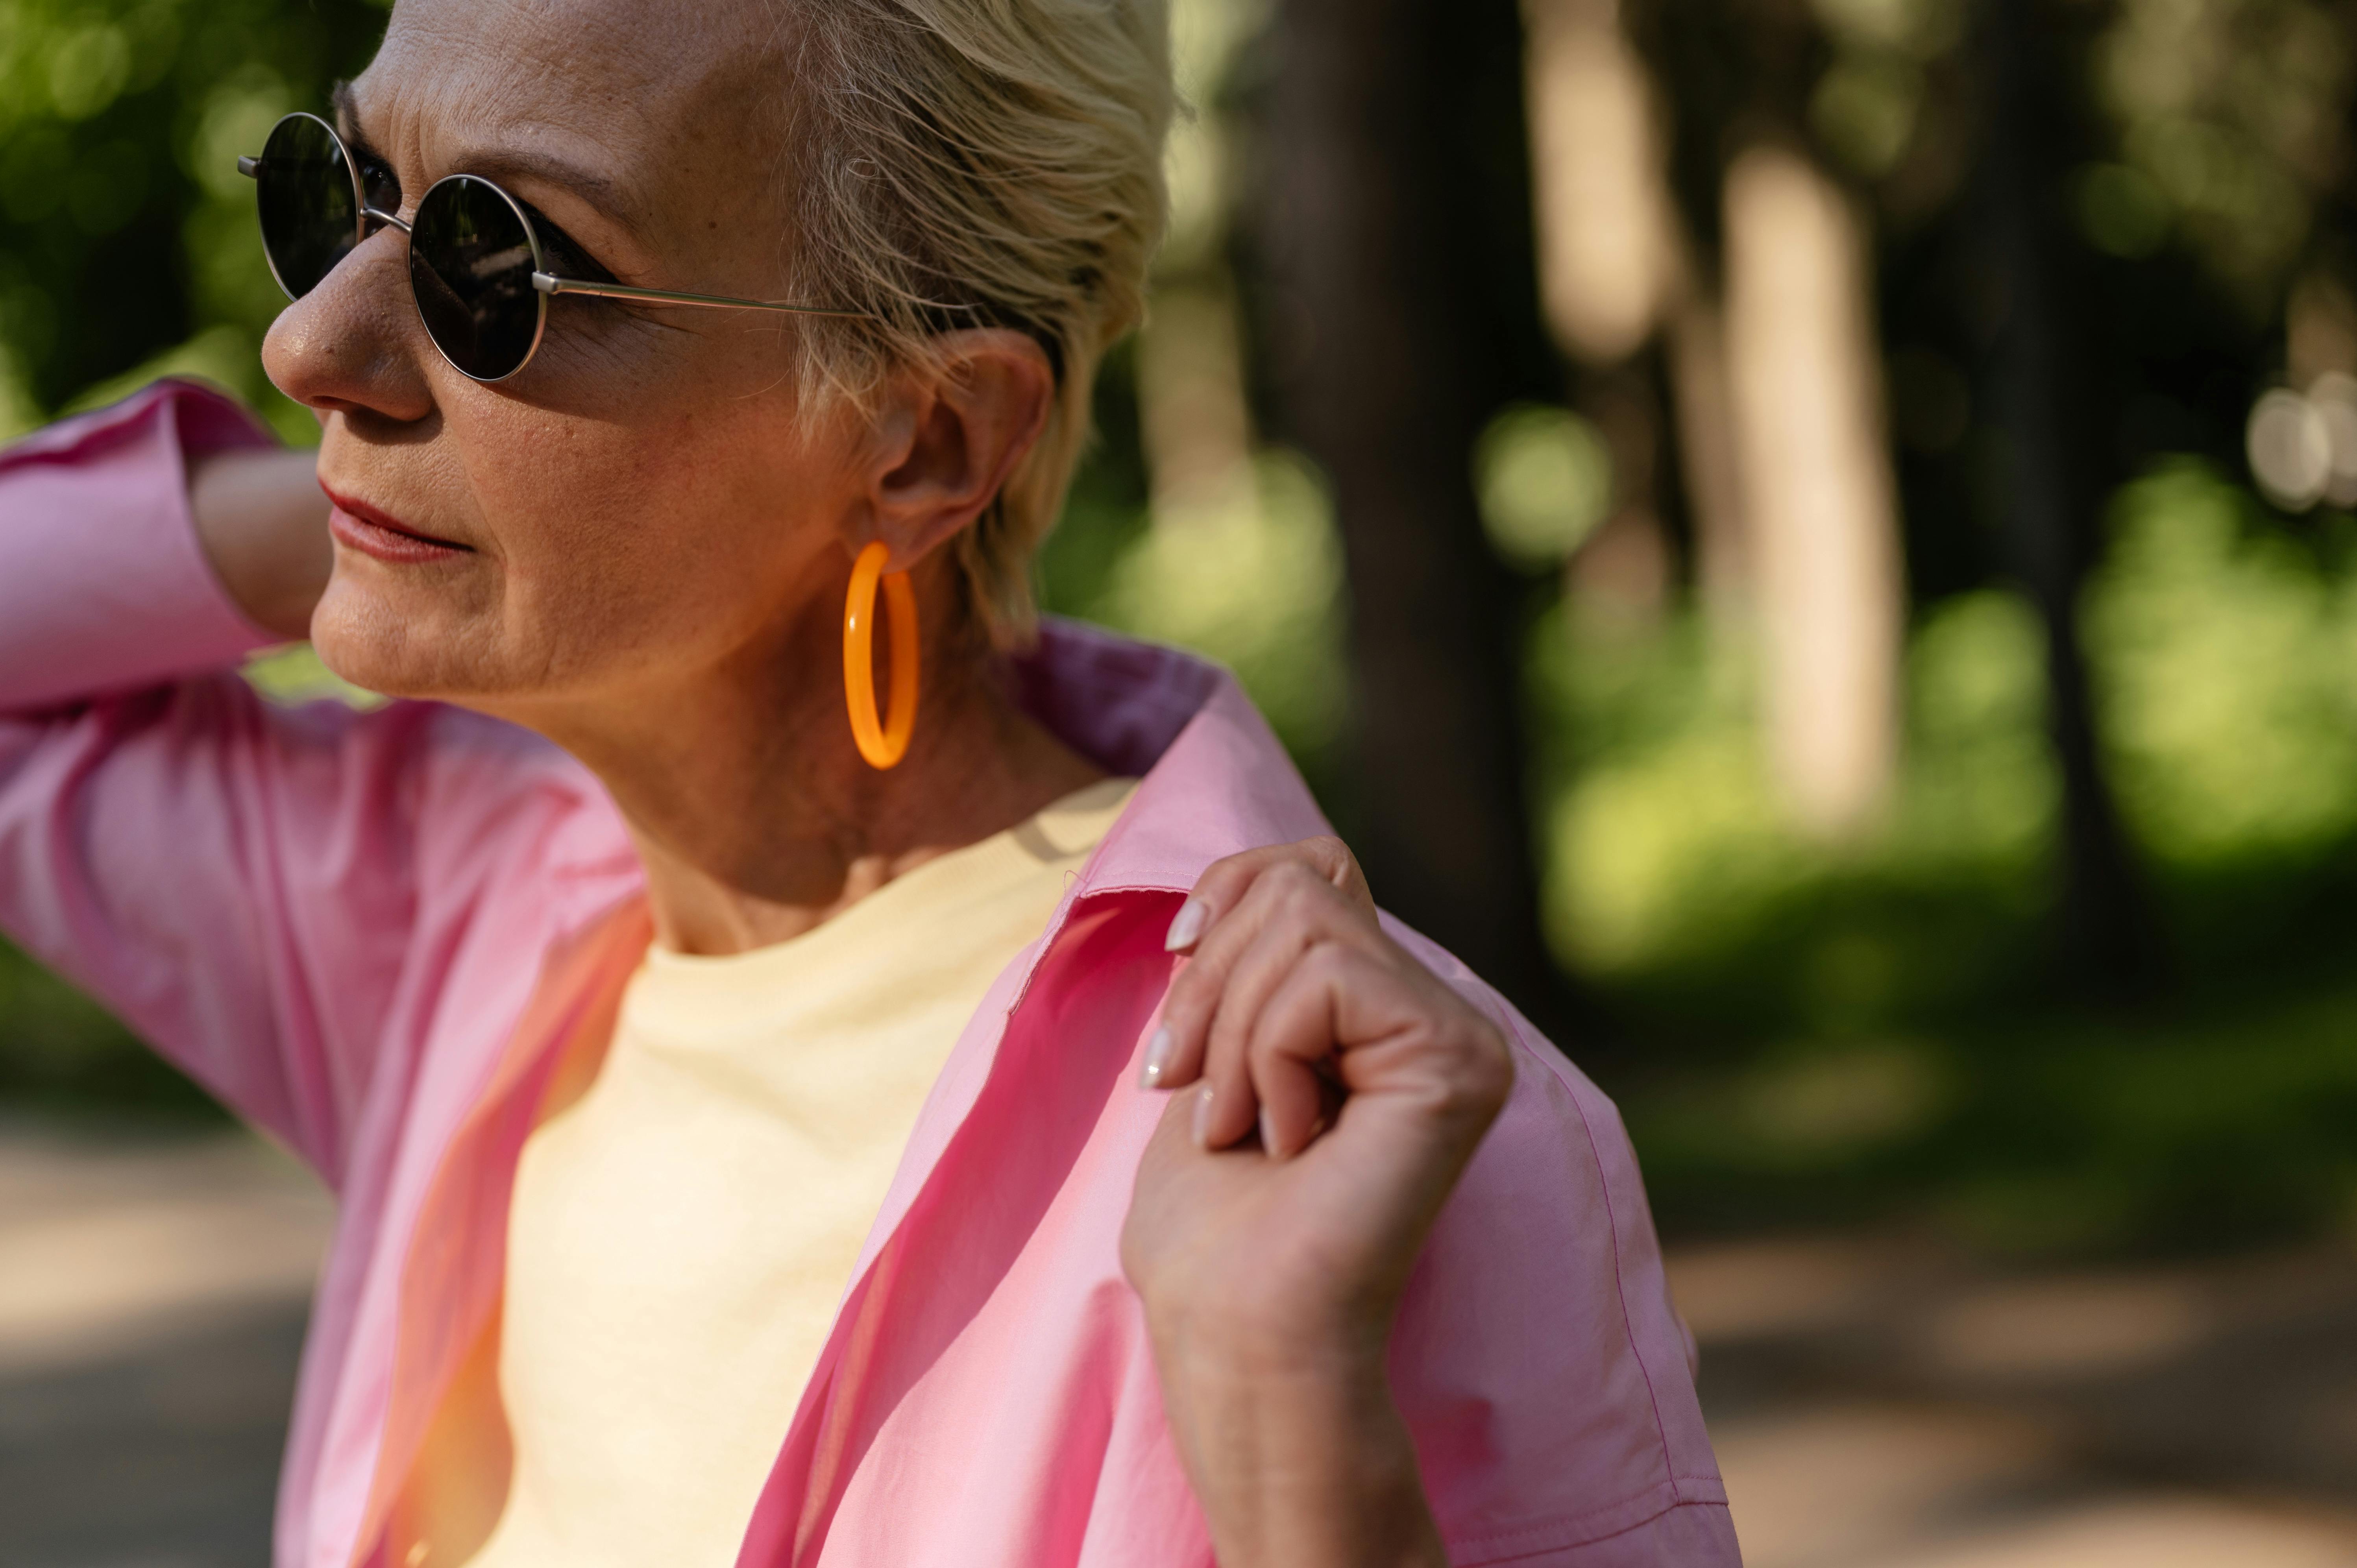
[{"x": 354, "y": 344}]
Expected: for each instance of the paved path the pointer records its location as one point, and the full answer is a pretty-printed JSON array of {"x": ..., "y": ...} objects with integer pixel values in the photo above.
[
  {"x": 1881, "y": 1402},
  {"x": 152, "y": 1297},
  {"x": 1878, "y": 1402}
]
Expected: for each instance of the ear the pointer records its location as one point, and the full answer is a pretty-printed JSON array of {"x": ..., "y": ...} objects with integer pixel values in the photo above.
[{"x": 950, "y": 434}]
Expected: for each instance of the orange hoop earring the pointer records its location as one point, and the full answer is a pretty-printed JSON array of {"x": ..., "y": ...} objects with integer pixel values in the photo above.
[{"x": 883, "y": 739}]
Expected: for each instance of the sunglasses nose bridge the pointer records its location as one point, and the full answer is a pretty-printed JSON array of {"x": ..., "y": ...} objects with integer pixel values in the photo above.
[
  {"x": 354, "y": 341},
  {"x": 365, "y": 300}
]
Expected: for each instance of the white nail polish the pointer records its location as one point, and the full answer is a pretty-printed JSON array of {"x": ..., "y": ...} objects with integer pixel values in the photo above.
[
  {"x": 1267, "y": 1135},
  {"x": 1203, "y": 1118},
  {"x": 1186, "y": 927},
  {"x": 1158, "y": 1051}
]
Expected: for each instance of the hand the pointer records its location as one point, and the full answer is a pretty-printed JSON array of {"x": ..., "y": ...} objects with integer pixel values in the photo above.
[
  {"x": 1271, "y": 1266},
  {"x": 262, "y": 522}
]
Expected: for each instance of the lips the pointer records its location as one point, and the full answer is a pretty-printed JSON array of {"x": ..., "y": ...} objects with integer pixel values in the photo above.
[{"x": 359, "y": 526}]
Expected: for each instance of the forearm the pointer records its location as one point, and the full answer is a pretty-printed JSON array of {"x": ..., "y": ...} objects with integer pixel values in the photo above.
[
  {"x": 1301, "y": 1466},
  {"x": 263, "y": 523},
  {"x": 104, "y": 586}
]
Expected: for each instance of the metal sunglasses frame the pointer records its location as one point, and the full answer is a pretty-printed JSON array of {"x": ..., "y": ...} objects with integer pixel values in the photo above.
[{"x": 544, "y": 283}]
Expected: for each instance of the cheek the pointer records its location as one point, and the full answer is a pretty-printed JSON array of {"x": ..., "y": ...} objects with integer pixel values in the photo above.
[
  {"x": 615, "y": 551},
  {"x": 609, "y": 548},
  {"x": 614, "y": 537}
]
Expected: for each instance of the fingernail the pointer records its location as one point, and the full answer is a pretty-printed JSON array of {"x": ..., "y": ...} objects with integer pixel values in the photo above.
[
  {"x": 1157, "y": 1059},
  {"x": 1203, "y": 1118},
  {"x": 1268, "y": 1134},
  {"x": 1185, "y": 928}
]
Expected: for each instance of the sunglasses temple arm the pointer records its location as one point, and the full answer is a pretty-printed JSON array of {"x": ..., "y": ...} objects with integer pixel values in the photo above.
[
  {"x": 548, "y": 282},
  {"x": 551, "y": 284}
]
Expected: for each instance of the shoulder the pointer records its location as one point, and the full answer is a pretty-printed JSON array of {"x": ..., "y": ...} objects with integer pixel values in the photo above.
[
  {"x": 1555, "y": 1114},
  {"x": 1537, "y": 1357}
]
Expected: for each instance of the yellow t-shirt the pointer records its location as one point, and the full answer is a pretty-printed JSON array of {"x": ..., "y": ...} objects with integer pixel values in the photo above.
[{"x": 683, "y": 1233}]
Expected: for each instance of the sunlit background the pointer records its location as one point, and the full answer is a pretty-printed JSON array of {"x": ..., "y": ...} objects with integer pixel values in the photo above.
[{"x": 1913, "y": 452}]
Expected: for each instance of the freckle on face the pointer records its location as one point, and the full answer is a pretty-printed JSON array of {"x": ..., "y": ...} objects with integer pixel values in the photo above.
[{"x": 690, "y": 511}]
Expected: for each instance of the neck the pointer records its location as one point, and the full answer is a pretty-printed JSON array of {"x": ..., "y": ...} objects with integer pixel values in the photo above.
[{"x": 752, "y": 809}]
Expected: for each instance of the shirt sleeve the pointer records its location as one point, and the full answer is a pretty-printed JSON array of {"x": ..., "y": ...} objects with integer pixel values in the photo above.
[
  {"x": 104, "y": 586},
  {"x": 1545, "y": 1377},
  {"x": 235, "y": 880}
]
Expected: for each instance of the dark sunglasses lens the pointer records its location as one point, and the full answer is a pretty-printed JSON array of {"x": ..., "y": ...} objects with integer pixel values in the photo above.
[
  {"x": 304, "y": 187},
  {"x": 471, "y": 266}
]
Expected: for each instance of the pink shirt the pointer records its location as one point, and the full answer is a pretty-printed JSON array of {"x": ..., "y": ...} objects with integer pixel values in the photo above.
[{"x": 372, "y": 934}]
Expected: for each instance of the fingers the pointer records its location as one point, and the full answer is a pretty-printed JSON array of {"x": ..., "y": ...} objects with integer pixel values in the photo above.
[
  {"x": 1292, "y": 991},
  {"x": 1410, "y": 1040},
  {"x": 1271, "y": 1069},
  {"x": 1287, "y": 907},
  {"x": 1292, "y": 1035},
  {"x": 1222, "y": 886},
  {"x": 1357, "y": 1019}
]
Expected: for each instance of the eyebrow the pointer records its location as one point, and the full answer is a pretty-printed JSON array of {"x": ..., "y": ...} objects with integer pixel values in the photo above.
[{"x": 599, "y": 190}]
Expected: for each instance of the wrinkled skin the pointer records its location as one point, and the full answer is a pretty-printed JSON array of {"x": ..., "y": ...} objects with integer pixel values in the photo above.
[
  {"x": 646, "y": 497},
  {"x": 658, "y": 534},
  {"x": 653, "y": 537}
]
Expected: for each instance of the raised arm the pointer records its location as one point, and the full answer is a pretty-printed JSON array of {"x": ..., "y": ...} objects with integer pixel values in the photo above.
[
  {"x": 262, "y": 524},
  {"x": 104, "y": 586},
  {"x": 233, "y": 880}
]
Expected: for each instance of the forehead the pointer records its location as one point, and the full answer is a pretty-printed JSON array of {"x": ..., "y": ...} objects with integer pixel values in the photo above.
[{"x": 656, "y": 95}]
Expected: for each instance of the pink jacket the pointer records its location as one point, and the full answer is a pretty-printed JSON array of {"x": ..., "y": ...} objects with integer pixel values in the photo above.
[{"x": 373, "y": 934}]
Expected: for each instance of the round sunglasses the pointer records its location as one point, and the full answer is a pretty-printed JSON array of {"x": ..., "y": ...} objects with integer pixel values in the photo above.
[{"x": 476, "y": 266}]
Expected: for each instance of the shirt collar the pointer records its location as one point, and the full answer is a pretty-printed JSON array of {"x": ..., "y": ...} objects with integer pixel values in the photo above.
[{"x": 1214, "y": 779}]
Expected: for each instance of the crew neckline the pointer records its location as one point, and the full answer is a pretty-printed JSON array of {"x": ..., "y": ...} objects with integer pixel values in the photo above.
[{"x": 1073, "y": 824}]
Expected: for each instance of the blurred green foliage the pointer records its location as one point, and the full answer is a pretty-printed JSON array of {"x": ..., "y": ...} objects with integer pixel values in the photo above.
[
  {"x": 1256, "y": 580},
  {"x": 1867, "y": 1031},
  {"x": 1544, "y": 479},
  {"x": 60, "y": 1051},
  {"x": 127, "y": 240},
  {"x": 2232, "y": 114}
]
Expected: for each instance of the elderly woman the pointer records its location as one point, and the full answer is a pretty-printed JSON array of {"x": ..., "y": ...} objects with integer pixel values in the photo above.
[{"x": 782, "y": 1115}]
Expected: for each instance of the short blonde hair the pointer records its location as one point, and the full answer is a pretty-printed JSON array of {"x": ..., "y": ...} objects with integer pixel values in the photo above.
[{"x": 980, "y": 163}]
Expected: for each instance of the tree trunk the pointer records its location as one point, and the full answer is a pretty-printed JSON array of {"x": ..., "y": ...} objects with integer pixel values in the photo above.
[
  {"x": 1389, "y": 136},
  {"x": 2052, "y": 441},
  {"x": 1805, "y": 386}
]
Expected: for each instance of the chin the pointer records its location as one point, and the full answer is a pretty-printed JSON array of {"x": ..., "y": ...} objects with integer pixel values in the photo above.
[{"x": 394, "y": 650}]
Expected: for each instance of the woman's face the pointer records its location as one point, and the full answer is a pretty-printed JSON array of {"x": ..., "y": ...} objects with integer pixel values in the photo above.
[{"x": 645, "y": 497}]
